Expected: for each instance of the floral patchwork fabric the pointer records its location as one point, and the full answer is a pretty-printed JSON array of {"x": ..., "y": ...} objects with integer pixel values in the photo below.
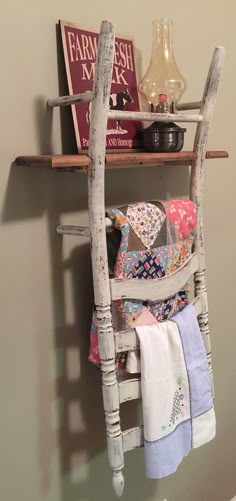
[
  {"x": 146, "y": 220},
  {"x": 150, "y": 240}
]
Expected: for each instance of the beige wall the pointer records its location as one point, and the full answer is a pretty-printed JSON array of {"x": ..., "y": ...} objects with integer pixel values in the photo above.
[{"x": 52, "y": 445}]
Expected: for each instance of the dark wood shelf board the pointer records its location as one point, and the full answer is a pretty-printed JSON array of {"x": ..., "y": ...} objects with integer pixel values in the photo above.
[{"x": 114, "y": 160}]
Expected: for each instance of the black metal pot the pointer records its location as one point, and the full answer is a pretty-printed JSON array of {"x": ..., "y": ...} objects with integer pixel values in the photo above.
[{"x": 163, "y": 137}]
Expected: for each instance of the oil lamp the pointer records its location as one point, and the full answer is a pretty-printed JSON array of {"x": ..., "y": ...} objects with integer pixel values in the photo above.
[
  {"x": 162, "y": 75},
  {"x": 162, "y": 86}
]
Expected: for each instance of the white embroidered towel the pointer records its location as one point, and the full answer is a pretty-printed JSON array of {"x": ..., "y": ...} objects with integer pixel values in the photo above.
[{"x": 164, "y": 380}]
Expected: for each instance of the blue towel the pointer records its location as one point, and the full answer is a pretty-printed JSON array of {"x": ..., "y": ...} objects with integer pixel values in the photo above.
[{"x": 201, "y": 399}]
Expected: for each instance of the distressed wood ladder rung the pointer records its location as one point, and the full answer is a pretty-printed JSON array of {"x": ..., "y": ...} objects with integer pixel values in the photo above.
[
  {"x": 132, "y": 438},
  {"x": 82, "y": 231},
  {"x": 129, "y": 389},
  {"x": 156, "y": 289},
  {"x": 85, "y": 97},
  {"x": 142, "y": 116}
]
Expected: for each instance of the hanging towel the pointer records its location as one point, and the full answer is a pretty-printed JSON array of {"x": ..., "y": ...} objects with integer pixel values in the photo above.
[
  {"x": 178, "y": 409},
  {"x": 166, "y": 399},
  {"x": 202, "y": 410}
]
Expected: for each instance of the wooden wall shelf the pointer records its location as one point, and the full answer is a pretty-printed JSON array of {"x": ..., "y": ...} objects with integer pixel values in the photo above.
[{"x": 114, "y": 160}]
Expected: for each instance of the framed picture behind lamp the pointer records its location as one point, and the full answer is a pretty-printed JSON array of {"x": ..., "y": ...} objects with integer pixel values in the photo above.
[{"x": 80, "y": 49}]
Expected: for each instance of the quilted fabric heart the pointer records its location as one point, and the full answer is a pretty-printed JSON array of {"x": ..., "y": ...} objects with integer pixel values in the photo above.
[{"x": 146, "y": 220}]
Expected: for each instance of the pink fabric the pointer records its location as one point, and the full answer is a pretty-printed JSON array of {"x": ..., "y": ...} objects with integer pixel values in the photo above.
[
  {"x": 182, "y": 214},
  {"x": 145, "y": 318},
  {"x": 119, "y": 271},
  {"x": 133, "y": 360},
  {"x": 94, "y": 357}
]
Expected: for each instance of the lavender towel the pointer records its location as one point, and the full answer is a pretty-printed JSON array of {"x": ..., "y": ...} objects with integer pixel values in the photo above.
[
  {"x": 201, "y": 399},
  {"x": 162, "y": 457}
]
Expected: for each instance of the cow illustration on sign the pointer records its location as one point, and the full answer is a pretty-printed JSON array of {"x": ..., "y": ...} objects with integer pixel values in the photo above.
[{"x": 117, "y": 102}]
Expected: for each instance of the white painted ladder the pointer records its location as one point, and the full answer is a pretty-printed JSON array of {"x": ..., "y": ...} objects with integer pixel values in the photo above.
[{"x": 106, "y": 290}]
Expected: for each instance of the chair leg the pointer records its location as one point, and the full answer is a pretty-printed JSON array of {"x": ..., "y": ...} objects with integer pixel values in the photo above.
[
  {"x": 201, "y": 290},
  {"x": 111, "y": 399},
  {"x": 118, "y": 482}
]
